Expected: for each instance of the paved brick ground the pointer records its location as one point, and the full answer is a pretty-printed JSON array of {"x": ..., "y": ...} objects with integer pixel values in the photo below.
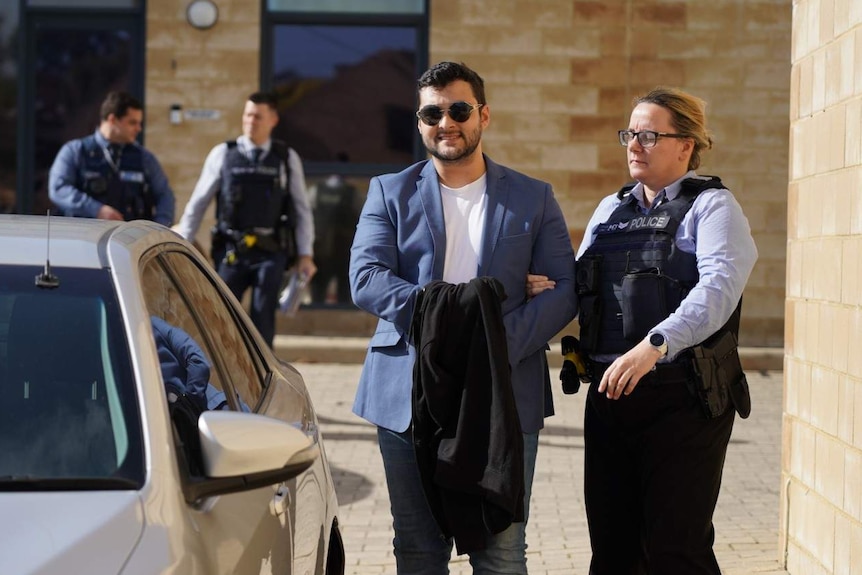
[{"x": 746, "y": 518}]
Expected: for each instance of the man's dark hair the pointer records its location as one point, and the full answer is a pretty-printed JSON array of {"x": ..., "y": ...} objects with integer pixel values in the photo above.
[
  {"x": 267, "y": 98},
  {"x": 442, "y": 74},
  {"x": 118, "y": 104}
]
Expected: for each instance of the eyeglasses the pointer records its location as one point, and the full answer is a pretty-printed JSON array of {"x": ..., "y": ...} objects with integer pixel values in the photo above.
[
  {"x": 458, "y": 111},
  {"x": 646, "y": 138}
]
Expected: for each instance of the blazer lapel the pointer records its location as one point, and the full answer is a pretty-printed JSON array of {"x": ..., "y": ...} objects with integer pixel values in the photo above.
[
  {"x": 428, "y": 188},
  {"x": 498, "y": 195}
]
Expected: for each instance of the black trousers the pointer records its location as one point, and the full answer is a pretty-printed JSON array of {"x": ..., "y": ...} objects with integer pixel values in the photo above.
[
  {"x": 263, "y": 272},
  {"x": 653, "y": 465}
]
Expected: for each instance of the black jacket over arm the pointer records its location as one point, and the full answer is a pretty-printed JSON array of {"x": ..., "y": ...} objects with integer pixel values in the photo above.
[{"x": 466, "y": 430}]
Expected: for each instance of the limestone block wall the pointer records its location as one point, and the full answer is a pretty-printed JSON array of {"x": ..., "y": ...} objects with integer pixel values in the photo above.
[
  {"x": 213, "y": 70},
  {"x": 821, "y": 517},
  {"x": 561, "y": 75}
]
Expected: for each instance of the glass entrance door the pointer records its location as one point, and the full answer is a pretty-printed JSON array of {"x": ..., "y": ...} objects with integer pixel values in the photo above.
[{"x": 74, "y": 60}]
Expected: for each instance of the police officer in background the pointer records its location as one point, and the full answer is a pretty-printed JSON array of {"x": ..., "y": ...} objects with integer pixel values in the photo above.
[
  {"x": 262, "y": 212},
  {"x": 660, "y": 275},
  {"x": 108, "y": 175}
]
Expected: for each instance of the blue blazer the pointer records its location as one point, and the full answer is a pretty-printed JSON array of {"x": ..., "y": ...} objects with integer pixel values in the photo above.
[{"x": 400, "y": 245}]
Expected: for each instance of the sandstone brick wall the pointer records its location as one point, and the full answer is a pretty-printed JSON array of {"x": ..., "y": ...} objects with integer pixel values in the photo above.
[
  {"x": 561, "y": 75},
  {"x": 821, "y": 517},
  {"x": 213, "y": 69}
]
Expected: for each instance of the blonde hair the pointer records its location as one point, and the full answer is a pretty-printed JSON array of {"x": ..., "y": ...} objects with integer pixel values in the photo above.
[{"x": 688, "y": 116}]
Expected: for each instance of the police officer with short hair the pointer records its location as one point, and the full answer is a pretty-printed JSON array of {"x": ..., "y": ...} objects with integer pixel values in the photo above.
[
  {"x": 108, "y": 175},
  {"x": 262, "y": 212}
]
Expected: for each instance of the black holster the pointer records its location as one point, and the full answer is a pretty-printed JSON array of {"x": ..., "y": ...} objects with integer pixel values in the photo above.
[
  {"x": 218, "y": 245},
  {"x": 719, "y": 380}
]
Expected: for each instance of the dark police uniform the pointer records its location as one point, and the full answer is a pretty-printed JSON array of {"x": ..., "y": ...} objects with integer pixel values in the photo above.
[
  {"x": 90, "y": 172},
  {"x": 254, "y": 237},
  {"x": 654, "y": 459},
  {"x": 116, "y": 178},
  {"x": 263, "y": 219}
]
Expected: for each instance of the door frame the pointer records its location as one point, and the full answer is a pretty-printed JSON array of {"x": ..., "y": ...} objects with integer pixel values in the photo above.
[{"x": 33, "y": 19}]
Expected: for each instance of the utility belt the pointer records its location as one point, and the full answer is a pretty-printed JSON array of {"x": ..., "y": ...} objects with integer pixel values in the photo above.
[
  {"x": 236, "y": 243},
  {"x": 712, "y": 371}
]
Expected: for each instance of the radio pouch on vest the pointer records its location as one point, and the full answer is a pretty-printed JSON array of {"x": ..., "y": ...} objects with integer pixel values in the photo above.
[{"x": 645, "y": 297}]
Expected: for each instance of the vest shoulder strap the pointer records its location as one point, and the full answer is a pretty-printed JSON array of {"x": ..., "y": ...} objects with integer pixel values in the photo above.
[
  {"x": 282, "y": 151},
  {"x": 695, "y": 185},
  {"x": 231, "y": 144},
  {"x": 689, "y": 186},
  {"x": 626, "y": 190}
]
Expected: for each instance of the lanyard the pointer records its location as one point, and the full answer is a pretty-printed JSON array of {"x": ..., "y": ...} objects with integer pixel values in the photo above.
[{"x": 110, "y": 159}]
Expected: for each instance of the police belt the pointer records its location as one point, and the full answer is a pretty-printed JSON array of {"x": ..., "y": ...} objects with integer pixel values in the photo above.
[
  {"x": 662, "y": 374},
  {"x": 260, "y": 239}
]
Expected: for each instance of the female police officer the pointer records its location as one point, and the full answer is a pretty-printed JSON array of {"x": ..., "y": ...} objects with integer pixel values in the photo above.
[{"x": 660, "y": 277}]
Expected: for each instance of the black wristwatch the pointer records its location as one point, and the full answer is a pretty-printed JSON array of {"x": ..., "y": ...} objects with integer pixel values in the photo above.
[{"x": 659, "y": 342}]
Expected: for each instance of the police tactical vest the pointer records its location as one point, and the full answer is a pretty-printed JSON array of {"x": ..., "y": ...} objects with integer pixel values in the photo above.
[
  {"x": 251, "y": 195},
  {"x": 633, "y": 276},
  {"x": 124, "y": 186}
]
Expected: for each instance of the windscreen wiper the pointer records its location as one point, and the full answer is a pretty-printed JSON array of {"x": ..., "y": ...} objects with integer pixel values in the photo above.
[{"x": 31, "y": 483}]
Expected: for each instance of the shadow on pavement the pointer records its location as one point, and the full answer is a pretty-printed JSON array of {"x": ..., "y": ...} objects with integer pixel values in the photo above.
[{"x": 350, "y": 487}]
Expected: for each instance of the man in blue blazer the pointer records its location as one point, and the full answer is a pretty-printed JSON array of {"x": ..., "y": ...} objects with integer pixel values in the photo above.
[{"x": 455, "y": 217}]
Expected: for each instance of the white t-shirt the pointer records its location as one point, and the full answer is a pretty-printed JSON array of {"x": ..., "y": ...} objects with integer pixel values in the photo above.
[{"x": 464, "y": 213}]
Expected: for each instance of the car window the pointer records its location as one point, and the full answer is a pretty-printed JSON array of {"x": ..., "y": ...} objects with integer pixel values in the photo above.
[
  {"x": 232, "y": 351},
  {"x": 169, "y": 313},
  {"x": 68, "y": 407}
]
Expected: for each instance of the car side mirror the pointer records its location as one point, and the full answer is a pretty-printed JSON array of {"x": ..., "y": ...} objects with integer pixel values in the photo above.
[{"x": 244, "y": 451}]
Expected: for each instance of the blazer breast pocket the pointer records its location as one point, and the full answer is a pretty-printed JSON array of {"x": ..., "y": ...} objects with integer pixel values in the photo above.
[{"x": 515, "y": 248}]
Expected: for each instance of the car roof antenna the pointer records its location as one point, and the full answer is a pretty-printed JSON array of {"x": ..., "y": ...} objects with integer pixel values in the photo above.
[{"x": 46, "y": 279}]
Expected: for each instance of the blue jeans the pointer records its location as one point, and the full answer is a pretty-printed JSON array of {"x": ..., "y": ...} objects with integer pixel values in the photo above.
[
  {"x": 420, "y": 547},
  {"x": 263, "y": 272}
]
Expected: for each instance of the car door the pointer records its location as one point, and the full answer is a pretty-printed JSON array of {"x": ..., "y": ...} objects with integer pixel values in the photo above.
[{"x": 247, "y": 532}]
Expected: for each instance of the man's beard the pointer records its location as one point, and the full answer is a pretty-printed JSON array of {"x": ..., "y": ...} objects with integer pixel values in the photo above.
[{"x": 455, "y": 156}]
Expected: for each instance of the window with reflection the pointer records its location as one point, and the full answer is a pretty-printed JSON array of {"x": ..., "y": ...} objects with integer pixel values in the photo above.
[
  {"x": 346, "y": 90},
  {"x": 230, "y": 348},
  {"x": 84, "y": 3},
  {"x": 415, "y": 7},
  {"x": 8, "y": 105},
  {"x": 346, "y": 80}
]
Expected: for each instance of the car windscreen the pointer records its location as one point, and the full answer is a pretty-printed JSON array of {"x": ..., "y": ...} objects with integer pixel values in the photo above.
[{"x": 68, "y": 407}]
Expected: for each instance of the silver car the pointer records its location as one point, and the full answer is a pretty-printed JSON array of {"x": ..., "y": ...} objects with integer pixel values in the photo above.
[{"x": 112, "y": 459}]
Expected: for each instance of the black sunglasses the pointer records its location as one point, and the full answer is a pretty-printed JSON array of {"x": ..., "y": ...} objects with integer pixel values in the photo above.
[{"x": 458, "y": 111}]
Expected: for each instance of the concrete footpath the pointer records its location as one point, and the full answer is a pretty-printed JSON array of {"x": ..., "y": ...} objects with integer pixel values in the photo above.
[{"x": 746, "y": 519}]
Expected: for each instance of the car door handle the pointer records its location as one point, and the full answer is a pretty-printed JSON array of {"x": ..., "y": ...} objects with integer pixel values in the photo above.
[{"x": 280, "y": 501}]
